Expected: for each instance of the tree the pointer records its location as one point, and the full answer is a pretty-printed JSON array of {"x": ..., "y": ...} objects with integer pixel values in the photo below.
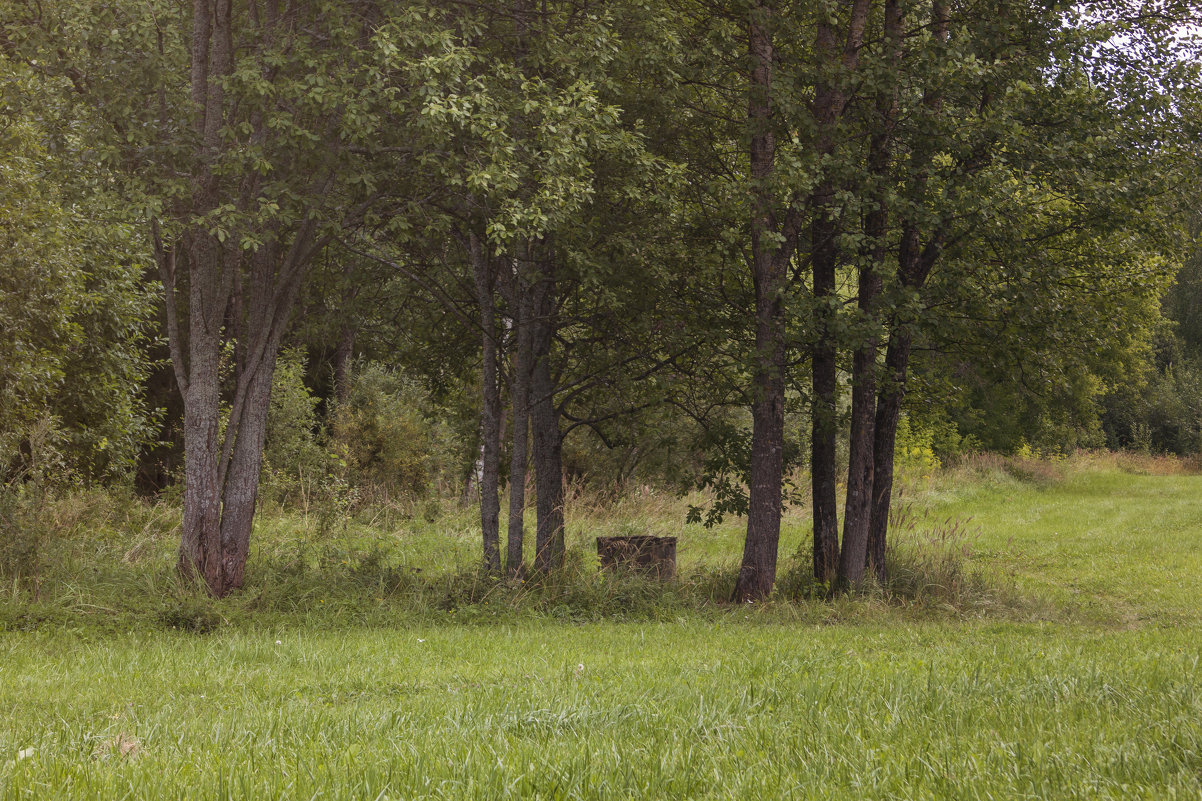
[{"x": 241, "y": 154}]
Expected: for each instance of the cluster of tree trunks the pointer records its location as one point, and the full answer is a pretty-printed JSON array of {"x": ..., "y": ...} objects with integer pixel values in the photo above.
[
  {"x": 875, "y": 404},
  {"x": 529, "y": 288}
]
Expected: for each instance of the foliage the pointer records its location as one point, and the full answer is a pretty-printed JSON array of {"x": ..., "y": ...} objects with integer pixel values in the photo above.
[
  {"x": 382, "y": 433},
  {"x": 25, "y": 520},
  {"x": 1164, "y": 415},
  {"x": 599, "y": 151},
  {"x": 75, "y": 313},
  {"x": 1159, "y": 409},
  {"x": 293, "y": 455}
]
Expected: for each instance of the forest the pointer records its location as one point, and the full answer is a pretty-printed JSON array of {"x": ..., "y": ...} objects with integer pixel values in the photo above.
[{"x": 884, "y": 311}]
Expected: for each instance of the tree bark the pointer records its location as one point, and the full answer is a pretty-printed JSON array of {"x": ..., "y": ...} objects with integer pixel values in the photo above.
[
  {"x": 520, "y": 396},
  {"x": 830, "y": 101},
  {"x": 199, "y": 555},
  {"x": 888, "y": 412},
  {"x": 547, "y": 439},
  {"x": 490, "y": 414},
  {"x": 823, "y": 412},
  {"x": 757, "y": 573},
  {"x": 857, "y": 510},
  {"x": 241, "y": 491}
]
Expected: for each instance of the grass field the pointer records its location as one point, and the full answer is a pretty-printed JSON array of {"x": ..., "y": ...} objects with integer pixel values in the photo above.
[{"x": 1069, "y": 667}]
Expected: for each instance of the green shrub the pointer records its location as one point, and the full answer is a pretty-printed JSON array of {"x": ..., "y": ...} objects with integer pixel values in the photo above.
[
  {"x": 380, "y": 431},
  {"x": 293, "y": 453},
  {"x": 35, "y": 471}
]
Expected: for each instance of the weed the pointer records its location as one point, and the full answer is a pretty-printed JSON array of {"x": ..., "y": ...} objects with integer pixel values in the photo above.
[
  {"x": 928, "y": 557},
  {"x": 191, "y": 612}
]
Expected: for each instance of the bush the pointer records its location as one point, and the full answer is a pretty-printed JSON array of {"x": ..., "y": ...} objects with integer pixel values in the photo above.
[
  {"x": 380, "y": 431},
  {"x": 1162, "y": 414},
  {"x": 293, "y": 451},
  {"x": 24, "y": 512}
]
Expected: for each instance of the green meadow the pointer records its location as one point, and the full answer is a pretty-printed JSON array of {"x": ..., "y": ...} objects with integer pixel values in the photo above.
[{"x": 1043, "y": 641}]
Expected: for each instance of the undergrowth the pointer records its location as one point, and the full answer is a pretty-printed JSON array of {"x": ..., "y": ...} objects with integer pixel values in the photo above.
[{"x": 106, "y": 560}]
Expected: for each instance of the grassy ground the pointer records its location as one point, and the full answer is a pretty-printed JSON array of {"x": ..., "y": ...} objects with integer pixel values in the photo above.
[{"x": 1067, "y": 666}]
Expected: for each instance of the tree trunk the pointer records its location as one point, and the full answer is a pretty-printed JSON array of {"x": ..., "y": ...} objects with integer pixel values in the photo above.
[
  {"x": 857, "y": 514},
  {"x": 888, "y": 412},
  {"x": 241, "y": 491},
  {"x": 914, "y": 264},
  {"x": 757, "y": 573},
  {"x": 199, "y": 555},
  {"x": 547, "y": 440},
  {"x": 858, "y": 506},
  {"x": 823, "y": 412},
  {"x": 258, "y": 288},
  {"x": 208, "y": 296},
  {"x": 824, "y": 256},
  {"x": 200, "y": 552},
  {"x": 490, "y": 414},
  {"x": 520, "y": 395},
  {"x": 830, "y": 101}
]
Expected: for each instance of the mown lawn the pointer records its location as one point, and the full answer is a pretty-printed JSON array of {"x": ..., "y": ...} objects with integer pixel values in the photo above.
[{"x": 1091, "y": 690}]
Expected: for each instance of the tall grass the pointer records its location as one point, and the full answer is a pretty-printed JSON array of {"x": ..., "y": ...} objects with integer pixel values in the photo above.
[{"x": 107, "y": 559}]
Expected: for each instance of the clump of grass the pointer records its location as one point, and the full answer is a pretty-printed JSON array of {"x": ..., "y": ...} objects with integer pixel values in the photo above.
[
  {"x": 191, "y": 612},
  {"x": 929, "y": 563},
  {"x": 1144, "y": 464},
  {"x": 928, "y": 558}
]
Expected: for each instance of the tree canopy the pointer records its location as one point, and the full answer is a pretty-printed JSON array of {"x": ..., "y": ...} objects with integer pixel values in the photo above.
[{"x": 764, "y": 235}]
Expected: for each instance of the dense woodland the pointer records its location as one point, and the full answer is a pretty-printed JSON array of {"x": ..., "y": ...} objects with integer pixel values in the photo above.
[{"x": 260, "y": 249}]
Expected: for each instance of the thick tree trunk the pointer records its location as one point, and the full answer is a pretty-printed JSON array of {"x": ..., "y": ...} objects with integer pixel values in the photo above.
[
  {"x": 857, "y": 514},
  {"x": 200, "y": 552},
  {"x": 888, "y": 412},
  {"x": 858, "y": 506},
  {"x": 241, "y": 491},
  {"x": 548, "y": 469},
  {"x": 490, "y": 414},
  {"x": 823, "y": 411},
  {"x": 757, "y": 573},
  {"x": 547, "y": 440},
  {"x": 520, "y": 396}
]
